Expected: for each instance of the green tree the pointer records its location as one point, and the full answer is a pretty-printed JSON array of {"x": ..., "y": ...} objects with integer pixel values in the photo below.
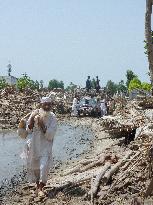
[
  {"x": 61, "y": 83},
  {"x": 111, "y": 87},
  {"x": 41, "y": 84},
  {"x": 71, "y": 87},
  {"x": 129, "y": 75},
  {"x": 121, "y": 87},
  {"x": 37, "y": 85},
  {"x": 26, "y": 82},
  {"x": 146, "y": 86},
  {"x": 135, "y": 83},
  {"x": 55, "y": 84},
  {"x": 3, "y": 83}
]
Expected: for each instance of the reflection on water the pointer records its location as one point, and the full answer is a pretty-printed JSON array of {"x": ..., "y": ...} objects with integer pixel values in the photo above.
[{"x": 69, "y": 142}]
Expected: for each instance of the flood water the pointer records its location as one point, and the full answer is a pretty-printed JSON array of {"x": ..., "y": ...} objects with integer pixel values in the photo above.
[{"x": 69, "y": 143}]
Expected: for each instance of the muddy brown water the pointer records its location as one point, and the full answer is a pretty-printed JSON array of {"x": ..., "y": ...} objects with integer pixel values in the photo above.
[{"x": 70, "y": 142}]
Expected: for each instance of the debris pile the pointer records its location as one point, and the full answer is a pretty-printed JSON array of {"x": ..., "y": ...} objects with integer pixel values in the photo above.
[
  {"x": 118, "y": 174},
  {"x": 146, "y": 103},
  {"x": 14, "y": 104},
  {"x": 125, "y": 119}
]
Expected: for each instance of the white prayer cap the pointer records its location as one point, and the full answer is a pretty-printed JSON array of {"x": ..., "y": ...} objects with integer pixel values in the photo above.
[{"x": 45, "y": 100}]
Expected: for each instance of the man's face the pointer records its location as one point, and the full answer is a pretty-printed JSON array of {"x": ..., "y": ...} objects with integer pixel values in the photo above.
[{"x": 46, "y": 106}]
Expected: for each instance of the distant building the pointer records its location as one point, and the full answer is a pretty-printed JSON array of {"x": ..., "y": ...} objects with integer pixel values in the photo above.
[{"x": 11, "y": 80}]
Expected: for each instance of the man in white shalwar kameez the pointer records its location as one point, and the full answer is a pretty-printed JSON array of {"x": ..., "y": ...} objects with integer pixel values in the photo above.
[
  {"x": 74, "y": 107},
  {"x": 103, "y": 107},
  {"x": 41, "y": 126}
]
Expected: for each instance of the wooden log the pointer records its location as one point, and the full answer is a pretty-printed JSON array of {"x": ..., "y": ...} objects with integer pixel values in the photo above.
[
  {"x": 74, "y": 178},
  {"x": 114, "y": 168},
  {"x": 95, "y": 183},
  {"x": 89, "y": 164},
  {"x": 131, "y": 160},
  {"x": 73, "y": 170},
  {"x": 149, "y": 188},
  {"x": 85, "y": 162},
  {"x": 93, "y": 164},
  {"x": 123, "y": 175}
]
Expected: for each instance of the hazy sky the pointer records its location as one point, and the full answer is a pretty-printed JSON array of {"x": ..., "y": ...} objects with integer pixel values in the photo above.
[{"x": 70, "y": 39}]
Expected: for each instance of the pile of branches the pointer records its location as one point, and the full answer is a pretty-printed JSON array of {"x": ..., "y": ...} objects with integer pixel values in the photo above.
[
  {"x": 134, "y": 178},
  {"x": 15, "y": 104},
  {"x": 125, "y": 119},
  {"x": 120, "y": 177},
  {"x": 146, "y": 103}
]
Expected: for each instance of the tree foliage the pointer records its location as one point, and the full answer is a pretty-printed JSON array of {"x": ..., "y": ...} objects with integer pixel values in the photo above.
[
  {"x": 111, "y": 87},
  {"x": 41, "y": 83},
  {"x": 3, "y": 83},
  {"x": 129, "y": 75},
  {"x": 121, "y": 87},
  {"x": 146, "y": 86},
  {"x": 55, "y": 84},
  {"x": 26, "y": 82},
  {"x": 135, "y": 83},
  {"x": 71, "y": 87}
]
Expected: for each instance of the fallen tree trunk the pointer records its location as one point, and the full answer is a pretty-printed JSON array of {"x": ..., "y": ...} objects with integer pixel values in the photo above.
[
  {"x": 73, "y": 170},
  {"x": 89, "y": 164},
  {"x": 95, "y": 183},
  {"x": 127, "y": 164},
  {"x": 93, "y": 164},
  {"x": 123, "y": 175},
  {"x": 73, "y": 178},
  {"x": 114, "y": 168}
]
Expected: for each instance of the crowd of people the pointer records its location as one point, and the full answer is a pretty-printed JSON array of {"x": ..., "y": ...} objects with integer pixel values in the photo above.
[
  {"x": 104, "y": 105},
  {"x": 95, "y": 86},
  {"x": 101, "y": 107}
]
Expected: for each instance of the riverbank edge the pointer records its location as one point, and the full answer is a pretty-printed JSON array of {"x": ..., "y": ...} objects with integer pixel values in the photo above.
[{"x": 98, "y": 146}]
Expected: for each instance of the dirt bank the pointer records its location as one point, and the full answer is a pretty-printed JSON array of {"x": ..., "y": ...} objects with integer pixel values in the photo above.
[{"x": 77, "y": 192}]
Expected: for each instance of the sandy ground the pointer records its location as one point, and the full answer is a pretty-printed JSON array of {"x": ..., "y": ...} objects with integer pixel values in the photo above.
[{"x": 75, "y": 195}]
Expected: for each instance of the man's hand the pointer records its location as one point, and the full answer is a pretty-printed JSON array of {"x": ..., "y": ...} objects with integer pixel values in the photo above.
[
  {"x": 41, "y": 125},
  {"x": 31, "y": 123}
]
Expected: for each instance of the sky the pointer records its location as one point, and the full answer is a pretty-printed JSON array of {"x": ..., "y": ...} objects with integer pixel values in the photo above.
[{"x": 71, "y": 39}]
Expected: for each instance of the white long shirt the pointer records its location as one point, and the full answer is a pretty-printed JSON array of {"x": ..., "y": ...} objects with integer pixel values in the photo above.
[{"x": 39, "y": 145}]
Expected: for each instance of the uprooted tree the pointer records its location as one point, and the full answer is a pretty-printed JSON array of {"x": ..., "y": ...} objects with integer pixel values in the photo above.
[{"x": 148, "y": 36}]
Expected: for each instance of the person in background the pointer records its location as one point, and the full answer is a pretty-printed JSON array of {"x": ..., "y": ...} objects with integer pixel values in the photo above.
[
  {"x": 74, "y": 112},
  {"x": 41, "y": 126},
  {"x": 103, "y": 107},
  {"x": 88, "y": 84},
  {"x": 98, "y": 107},
  {"x": 97, "y": 84}
]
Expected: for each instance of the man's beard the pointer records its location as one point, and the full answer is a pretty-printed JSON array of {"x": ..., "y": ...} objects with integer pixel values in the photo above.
[{"x": 44, "y": 113}]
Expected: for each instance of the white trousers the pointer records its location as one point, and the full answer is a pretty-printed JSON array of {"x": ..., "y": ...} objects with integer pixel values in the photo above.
[{"x": 38, "y": 169}]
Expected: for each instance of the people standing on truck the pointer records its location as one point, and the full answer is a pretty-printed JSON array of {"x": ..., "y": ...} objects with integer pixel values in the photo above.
[
  {"x": 88, "y": 84},
  {"x": 97, "y": 84}
]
